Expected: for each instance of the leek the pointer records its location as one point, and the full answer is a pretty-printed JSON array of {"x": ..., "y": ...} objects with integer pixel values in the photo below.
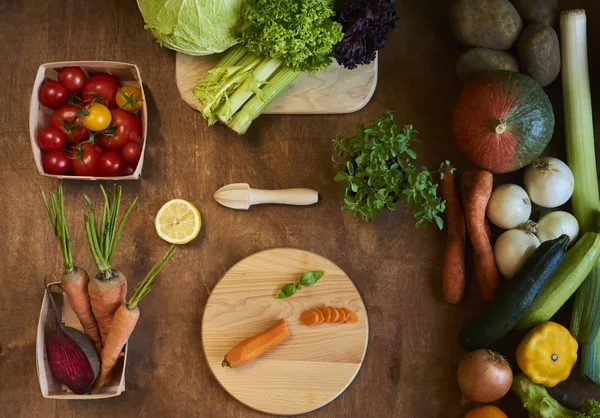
[{"x": 579, "y": 133}]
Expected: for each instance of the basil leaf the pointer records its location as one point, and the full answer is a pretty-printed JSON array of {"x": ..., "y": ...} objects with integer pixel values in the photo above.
[
  {"x": 287, "y": 291},
  {"x": 311, "y": 277}
]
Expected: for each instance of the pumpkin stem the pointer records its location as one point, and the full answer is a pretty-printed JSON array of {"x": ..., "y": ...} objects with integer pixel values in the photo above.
[{"x": 499, "y": 125}]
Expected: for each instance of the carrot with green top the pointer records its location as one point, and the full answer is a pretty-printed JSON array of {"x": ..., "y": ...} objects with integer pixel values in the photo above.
[
  {"x": 108, "y": 288},
  {"x": 74, "y": 280},
  {"x": 125, "y": 320}
]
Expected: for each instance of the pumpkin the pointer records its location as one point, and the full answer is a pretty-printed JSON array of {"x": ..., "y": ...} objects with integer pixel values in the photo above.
[{"x": 502, "y": 121}]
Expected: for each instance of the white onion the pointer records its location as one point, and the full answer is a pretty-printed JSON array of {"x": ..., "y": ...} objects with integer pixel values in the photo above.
[
  {"x": 512, "y": 249},
  {"x": 509, "y": 206},
  {"x": 549, "y": 182},
  {"x": 554, "y": 224}
]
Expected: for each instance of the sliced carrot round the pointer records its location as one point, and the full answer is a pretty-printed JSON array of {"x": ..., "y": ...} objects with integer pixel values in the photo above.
[
  {"x": 335, "y": 315},
  {"x": 326, "y": 313},
  {"x": 346, "y": 312},
  {"x": 352, "y": 318},
  {"x": 320, "y": 316},
  {"x": 309, "y": 318}
]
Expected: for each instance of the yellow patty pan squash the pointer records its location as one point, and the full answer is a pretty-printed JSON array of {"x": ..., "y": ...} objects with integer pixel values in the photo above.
[{"x": 547, "y": 354}]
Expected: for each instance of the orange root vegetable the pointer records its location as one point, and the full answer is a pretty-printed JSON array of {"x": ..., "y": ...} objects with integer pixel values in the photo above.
[
  {"x": 321, "y": 317},
  {"x": 326, "y": 313},
  {"x": 477, "y": 189},
  {"x": 454, "y": 271},
  {"x": 309, "y": 318},
  {"x": 252, "y": 347},
  {"x": 106, "y": 296},
  {"x": 75, "y": 285},
  {"x": 109, "y": 287},
  {"x": 335, "y": 314},
  {"x": 74, "y": 280},
  {"x": 352, "y": 318},
  {"x": 124, "y": 320},
  {"x": 341, "y": 315}
]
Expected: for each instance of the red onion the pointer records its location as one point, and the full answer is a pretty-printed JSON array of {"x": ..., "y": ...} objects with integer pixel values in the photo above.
[{"x": 484, "y": 376}]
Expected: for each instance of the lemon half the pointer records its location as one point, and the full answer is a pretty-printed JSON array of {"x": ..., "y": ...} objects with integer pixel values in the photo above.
[{"x": 178, "y": 221}]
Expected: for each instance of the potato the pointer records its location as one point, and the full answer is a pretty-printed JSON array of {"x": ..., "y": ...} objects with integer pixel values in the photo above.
[
  {"x": 494, "y": 24},
  {"x": 538, "y": 11},
  {"x": 539, "y": 53},
  {"x": 475, "y": 61}
]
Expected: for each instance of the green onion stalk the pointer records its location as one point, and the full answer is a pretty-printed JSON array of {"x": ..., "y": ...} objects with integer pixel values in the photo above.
[
  {"x": 240, "y": 87},
  {"x": 108, "y": 288}
]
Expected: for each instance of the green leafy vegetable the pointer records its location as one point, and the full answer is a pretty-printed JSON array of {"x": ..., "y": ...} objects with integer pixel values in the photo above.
[
  {"x": 307, "y": 279},
  {"x": 379, "y": 172},
  {"x": 299, "y": 33},
  {"x": 278, "y": 41},
  {"x": 195, "y": 27}
]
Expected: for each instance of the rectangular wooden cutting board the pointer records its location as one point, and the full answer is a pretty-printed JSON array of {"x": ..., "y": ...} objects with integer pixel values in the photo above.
[{"x": 335, "y": 90}]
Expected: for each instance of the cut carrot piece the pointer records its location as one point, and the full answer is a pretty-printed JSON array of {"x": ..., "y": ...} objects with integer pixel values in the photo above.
[
  {"x": 326, "y": 313},
  {"x": 352, "y": 318},
  {"x": 342, "y": 315},
  {"x": 320, "y": 316},
  {"x": 309, "y": 318},
  {"x": 335, "y": 314},
  {"x": 346, "y": 313}
]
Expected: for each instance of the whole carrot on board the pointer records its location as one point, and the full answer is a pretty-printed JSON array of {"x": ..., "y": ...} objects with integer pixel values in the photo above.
[
  {"x": 108, "y": 288},
  {"x": 476, "y": 190},
  {"x": 125, "y": 320},
  {"x": 74, "y": 280},
  {"x": 453, "y": 272},
  {"x": 252, "y": 347}
]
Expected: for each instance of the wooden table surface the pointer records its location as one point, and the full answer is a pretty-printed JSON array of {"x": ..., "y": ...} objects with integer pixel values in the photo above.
[{"x": 410, "y": 366}]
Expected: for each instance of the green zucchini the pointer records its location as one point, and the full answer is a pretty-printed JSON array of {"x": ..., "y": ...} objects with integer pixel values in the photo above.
[
  {"x": 571, "y": 273},
  {"x": 503, "y": 313}
]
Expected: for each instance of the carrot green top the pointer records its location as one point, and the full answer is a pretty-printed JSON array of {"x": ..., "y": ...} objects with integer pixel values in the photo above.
[
  {"x": 103, "y": 240},
  {"x": 56, "y": 213},
  {"x": 144, "y": 286}
]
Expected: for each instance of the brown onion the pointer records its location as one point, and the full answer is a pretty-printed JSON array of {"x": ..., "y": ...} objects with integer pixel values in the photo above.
[{"x": 484, "y": 376}]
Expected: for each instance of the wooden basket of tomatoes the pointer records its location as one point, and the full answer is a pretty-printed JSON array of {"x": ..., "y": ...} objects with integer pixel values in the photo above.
[{"x": 88, "y": 120}]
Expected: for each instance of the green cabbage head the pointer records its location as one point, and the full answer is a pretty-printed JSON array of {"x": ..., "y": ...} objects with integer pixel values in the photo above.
[{"x": 194, "y": 27}]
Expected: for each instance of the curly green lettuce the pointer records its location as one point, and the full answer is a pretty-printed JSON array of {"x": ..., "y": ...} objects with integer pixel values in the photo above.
[{"x": 301, "y": 34}]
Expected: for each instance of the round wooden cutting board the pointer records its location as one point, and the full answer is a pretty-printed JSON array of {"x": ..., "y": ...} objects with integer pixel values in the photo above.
[{"x": 310, "y": 368}]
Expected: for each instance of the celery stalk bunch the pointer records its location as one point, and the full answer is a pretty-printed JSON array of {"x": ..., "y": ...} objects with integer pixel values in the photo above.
[{"x": 278, "y": 41}]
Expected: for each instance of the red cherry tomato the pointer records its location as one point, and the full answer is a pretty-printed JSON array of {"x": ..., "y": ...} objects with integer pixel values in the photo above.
[
  {"x": 131, "y": 153},
  {"x": 129, "y": 170},
  {"x": 104, "y": 85},
  {"x": 53, "y": 94},
  {"x": 111, "y": 164},
  {"x": 74, "y": 131},
  {"x": 128, "y": 129},
  {"x": 50, "y": 138},
  {"x": 56, "y": 162},
  {"x": 84, "y": 159},
  {"x": 72, "y": 79}
]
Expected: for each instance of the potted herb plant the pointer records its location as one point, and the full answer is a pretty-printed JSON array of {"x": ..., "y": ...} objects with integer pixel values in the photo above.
[{"x": 379, "y": 172}]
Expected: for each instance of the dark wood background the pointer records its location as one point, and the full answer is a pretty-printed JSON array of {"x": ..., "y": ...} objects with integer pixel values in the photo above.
[{"x": 410, "y": 367}]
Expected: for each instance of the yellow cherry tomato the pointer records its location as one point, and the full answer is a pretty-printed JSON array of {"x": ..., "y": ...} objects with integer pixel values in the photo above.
[
  {"x": 97, "y": 117},
  {"x": 129, "y": 98},
  {"x": 486, "y": 411}
]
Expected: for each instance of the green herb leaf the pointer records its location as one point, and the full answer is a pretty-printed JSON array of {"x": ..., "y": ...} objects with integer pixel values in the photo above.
[
  {"x": 378, "y": 172},
  {"x": 287, "y": 291},
  {"x": 311, "y": 277}
]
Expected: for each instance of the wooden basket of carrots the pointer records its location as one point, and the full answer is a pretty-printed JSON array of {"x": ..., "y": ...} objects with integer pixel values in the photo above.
[
  {"x": 49, "y": 386},
  {"x": 84, "y": 356}
]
